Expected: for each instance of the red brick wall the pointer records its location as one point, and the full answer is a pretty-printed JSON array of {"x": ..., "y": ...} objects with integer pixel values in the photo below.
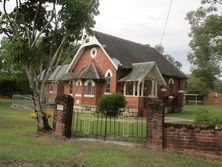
[
  {"x": 57, "y": 89},
  {"x": 134, "y": 102},
  {"x": 193, "y": 138},
  {"x": 103, "y": 62},
  {"x": 188, "y": 138},
  {"x": 178, "y": 84}
]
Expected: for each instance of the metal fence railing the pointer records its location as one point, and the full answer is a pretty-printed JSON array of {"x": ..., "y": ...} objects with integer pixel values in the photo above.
[{"x": 98, "y": 125}]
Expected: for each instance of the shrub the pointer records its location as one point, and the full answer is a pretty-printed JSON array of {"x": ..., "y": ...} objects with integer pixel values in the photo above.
[
  {"x": 111, "y": 104},
  {"x": 205, "y": 117}
]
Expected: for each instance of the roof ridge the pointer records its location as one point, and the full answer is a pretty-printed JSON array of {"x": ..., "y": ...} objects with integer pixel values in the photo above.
[
  {"x": 146, "y": 62},
  {"x": 120, "y": 38}
]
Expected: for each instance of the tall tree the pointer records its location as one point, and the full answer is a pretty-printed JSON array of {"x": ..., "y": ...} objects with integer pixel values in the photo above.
[
  {"x": 38, "y": 31},
  {"x": 160, "y": 49},
  {"x": 206, "y": 41}
]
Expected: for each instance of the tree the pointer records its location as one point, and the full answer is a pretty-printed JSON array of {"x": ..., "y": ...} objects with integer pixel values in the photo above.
[
  {"x": 38, "y": 31},
  {"x": 206, "y": 42},
  {"x": 178, "y": 64},
  {"x": 194, "y": 85},
  {"x": 169, "y": 58},
  {"x": 160, "y": 49},
  {"x": 110, "y": 104},
  {"x": 12, "y": 78}
]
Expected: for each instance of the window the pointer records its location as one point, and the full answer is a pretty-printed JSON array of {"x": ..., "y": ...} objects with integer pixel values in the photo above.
[
  {"x": 93, "y": 52},
  {"x": 108, "y": 76},
  {"x": 78, "y": 87},
  {"x": 89, "y": 88},
  {"x": 70, "y": 87},
  {"x": 108, "y": 79},
  {"x": 171, "y": 83}
]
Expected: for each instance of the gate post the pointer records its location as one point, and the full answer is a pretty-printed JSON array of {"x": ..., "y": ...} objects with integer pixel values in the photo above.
[
  {"x": 155, "y": 122},
  {"x": 62, "y": 120}
]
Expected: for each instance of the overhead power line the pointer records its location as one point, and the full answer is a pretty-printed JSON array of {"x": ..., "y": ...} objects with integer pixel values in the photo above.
[{"x": 165, "y": 25}]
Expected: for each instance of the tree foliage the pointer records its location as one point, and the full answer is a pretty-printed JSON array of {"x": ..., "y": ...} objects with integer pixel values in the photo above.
[
  {"x": 195, "y": 85},
  {"x": 12, "y": 78},
  {"x": 206, "y": 42},
  {"x": 38, "y": 32},
  {"x": 160, "y": 49}
]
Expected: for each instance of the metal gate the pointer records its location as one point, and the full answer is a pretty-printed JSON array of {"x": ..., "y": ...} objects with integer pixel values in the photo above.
[{"x": 95, "y": 124}]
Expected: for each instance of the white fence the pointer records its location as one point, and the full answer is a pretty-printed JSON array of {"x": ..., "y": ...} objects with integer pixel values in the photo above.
[
  {"x": 26, "y": 102},
  {"x": 22, "y": 101}
]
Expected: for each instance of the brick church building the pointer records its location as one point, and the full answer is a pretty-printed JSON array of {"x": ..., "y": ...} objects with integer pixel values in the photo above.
[{"x": 105, "y": 64}]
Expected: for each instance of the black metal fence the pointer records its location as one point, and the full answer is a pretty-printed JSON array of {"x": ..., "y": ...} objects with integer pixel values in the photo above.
[{"x": 98, "y": 125}]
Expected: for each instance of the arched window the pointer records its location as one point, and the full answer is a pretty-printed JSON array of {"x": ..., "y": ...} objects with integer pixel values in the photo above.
[
  {"x": 108, "y": 76},
  {"x": 78, "y": 87},
  {"x": 89, "y": 88},
  {"x": 171, "y": 83},
  {"x": 108, "y": 79},
  {"x": 70, "y": 86}
]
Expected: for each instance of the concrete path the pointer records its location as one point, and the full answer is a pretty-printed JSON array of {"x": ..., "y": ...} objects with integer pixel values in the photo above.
[{"x": 177, "y": 120}]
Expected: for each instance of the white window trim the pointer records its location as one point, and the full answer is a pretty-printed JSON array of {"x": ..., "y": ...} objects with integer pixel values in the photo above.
[
  {"x": 108, "y": 72},
  {"x": 171, "y": 81},
  {"x": 86, "y": 95},
  {"x": 87, "y": 81},
  {"x": 93, "y": 55},
  {"x": 79, "y": 81},
  {"x": 107, "y": 93},
  {"x": 78, "y": 95}
]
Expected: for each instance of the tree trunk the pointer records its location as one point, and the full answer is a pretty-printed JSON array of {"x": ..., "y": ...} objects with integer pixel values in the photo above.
[
  {"x": 42, "y": 120},
  {"x": 38, "y": 98}
]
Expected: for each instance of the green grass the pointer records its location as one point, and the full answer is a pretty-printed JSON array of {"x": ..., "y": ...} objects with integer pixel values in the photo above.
[
  {"x": 191, "y": 111},
  {"x": 20, "y": 146}
]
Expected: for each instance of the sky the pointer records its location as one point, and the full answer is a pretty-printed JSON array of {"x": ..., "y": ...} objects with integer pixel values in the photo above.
[{"x": 143, "y": 21}]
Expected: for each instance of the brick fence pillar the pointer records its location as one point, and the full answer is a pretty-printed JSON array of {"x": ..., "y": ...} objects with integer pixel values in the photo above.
[
  {"x": 62, "y": 120},
  {"x": 155, "y": 122}
]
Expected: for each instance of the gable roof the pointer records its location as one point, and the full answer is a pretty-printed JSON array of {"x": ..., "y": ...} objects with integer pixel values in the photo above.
[
  {"x": 57, "y": 73},
  {"x": 90, "y": 71},
  {"x": 126, "y": 53},
  {"x": 142, "y": 70}
]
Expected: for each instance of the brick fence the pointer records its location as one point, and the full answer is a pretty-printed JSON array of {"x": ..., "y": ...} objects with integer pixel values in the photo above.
[
  {"x": 62, "y": 120},
  {"x": 182, "y": 137},
  {"x": 160, "y": 135},
  {"x": 195, "y": 138}
]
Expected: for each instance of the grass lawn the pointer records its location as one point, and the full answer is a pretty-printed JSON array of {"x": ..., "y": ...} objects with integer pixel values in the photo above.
[
  {"x": 20, "y": 146},
  {"x": 190, "y": 111}
]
